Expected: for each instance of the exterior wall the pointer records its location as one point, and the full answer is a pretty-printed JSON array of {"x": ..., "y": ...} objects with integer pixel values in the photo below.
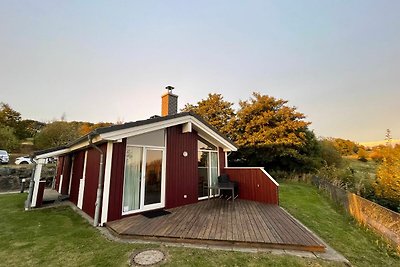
[
  {"x": 254, "y": 184},
  {"x": 221, "y": 160},
  {"x": 181, "y": 172},
  {"x": 91, "y": 179},
  {"x": 117, "y": 181},
  {"x": 60, "y": 165},
  {"x": 77, "y": 174},
  {"x": 66, "y": 174}
]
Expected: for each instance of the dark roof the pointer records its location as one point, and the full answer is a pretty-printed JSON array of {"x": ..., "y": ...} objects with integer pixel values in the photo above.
[{"x": 127, "y": 125}]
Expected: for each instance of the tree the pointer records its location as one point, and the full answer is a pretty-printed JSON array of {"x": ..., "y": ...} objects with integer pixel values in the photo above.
[
  {"x": 345, "y": 147},
  {"x": 329, "y": 153},
  {"x": 215, "y": 110},
  {"x": 362, "y": 155},
  {"x": 387, "y": 184},
  {"x": 55, "y": 134},
  {"x": 8, "y": 116},
  {"x": 28, "y": 128},
  {"x": 265, "y": 120},
  {"x": 269, "y": 132},
  {"x": 8, "y": 140}
]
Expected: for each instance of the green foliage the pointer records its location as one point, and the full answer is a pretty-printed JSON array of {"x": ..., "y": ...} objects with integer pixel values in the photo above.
[
  {"x": 330, "y": 154},
  {"x": 341, "y": 177},
  {"x": 28, "y": 128},
  {"x": 360, "y": 246},
  {"x": 8, "y": 140},
  {"x": 8, "y": 116},
  {"x": 215, "y": 110},
  {"x": 56, "y": 134}
]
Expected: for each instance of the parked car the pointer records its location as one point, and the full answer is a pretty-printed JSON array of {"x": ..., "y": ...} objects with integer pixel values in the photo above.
[
  {"x": 4, "y": 157},
  {"x": 23, "y": 160},
  {"x": 28, "y": 160}
]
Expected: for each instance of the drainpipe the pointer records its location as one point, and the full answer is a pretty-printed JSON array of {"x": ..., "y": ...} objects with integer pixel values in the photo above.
[
  {"x": 100, "y": 184},
  {"x": 28, "y": 202}
]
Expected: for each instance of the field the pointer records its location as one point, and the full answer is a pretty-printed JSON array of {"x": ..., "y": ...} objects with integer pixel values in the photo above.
[{"x": 59, "y": 236}]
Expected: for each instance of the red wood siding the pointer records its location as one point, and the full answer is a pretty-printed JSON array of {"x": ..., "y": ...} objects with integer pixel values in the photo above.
[
  {"x": 117, "y": 181},
  {"x": 91, "y": 179},
  {"x": 66, "y": 175},
  {"x": 221, "y": 160},
  {"x": 254, "y": 185},
  {"x": 60, "y": 165},
  {"x": 181, "y": 172},
  {"x": 77, "y": 174}
]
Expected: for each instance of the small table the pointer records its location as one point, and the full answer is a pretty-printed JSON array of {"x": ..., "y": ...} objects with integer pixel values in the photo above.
[{"x": 216, "y": 187}]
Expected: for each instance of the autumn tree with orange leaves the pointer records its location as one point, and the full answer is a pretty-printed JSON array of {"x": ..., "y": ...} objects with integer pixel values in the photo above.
[{"x": 387, "y": 183}]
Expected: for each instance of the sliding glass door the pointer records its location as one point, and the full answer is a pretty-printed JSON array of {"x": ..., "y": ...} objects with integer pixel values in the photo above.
[
  {"x": 208, "y": 171},
  {"x": 153, "y": 177},
  {"x": 144, "y": 179}
]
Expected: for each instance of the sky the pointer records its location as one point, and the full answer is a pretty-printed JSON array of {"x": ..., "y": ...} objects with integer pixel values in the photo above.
[{"x": 338, "y": 62}]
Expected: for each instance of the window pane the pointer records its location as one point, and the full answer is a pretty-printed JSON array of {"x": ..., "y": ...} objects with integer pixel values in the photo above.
[
  {"x": 203, "y": 144},
  {"x": 133, "y": 173},
  {"x": 214, "y": 168},
  {"x": 202, "y": 159},
  {"x": 153, "y": 177},
  {"x": 155, "y": 138}
]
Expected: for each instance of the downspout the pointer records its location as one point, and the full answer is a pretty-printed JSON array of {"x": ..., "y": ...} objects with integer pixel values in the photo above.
[
  {"x": 100, "y": 184},
  {"x": 28, "y": 202}
]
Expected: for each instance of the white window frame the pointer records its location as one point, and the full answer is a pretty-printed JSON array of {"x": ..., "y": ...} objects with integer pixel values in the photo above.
[
  {"x": 143, "y": 207},
  {"x": 209, "y": 167}
]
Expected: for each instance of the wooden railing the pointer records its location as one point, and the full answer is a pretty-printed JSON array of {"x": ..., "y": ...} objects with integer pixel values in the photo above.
[{"x": 254, "y": 184}]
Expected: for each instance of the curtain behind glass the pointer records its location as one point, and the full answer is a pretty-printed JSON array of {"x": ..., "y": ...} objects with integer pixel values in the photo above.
[
  {"x": 214, "y": 168},
  {"x": 133, "y": 173}
]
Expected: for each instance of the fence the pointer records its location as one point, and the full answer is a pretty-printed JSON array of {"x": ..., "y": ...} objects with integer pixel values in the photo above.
[{"x": 384, "y": 221}]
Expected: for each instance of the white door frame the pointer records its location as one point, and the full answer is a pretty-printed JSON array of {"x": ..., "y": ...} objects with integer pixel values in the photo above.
[
  {"x": 209, "y": 169},
  {"x": 81, "y": 191},
  {"x": 143, "y": 181},
  {"x": 143, "y": 207}
]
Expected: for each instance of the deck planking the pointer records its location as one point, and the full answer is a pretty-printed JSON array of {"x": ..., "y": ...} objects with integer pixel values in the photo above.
[{"x": 218, "y": 221}]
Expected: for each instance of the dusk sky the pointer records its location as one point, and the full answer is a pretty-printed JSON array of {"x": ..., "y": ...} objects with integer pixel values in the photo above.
[{"x": 336, "y": 61}]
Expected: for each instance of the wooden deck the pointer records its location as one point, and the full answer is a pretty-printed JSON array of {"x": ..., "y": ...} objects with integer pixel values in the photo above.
[{"x": 219, "y": 222}]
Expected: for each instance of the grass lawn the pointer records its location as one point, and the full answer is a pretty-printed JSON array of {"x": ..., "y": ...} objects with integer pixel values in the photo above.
[
  {"x": 60, "y": 237},
  {"x": 361, "y": 167},
  {"x": 360, "y": 246}
]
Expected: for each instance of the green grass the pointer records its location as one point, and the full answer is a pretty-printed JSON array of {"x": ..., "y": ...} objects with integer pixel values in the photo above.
[
  {"x": 359, "y": 245},
  {"x": 360, "y": 167},
  {"x": 60, "y": 237}
]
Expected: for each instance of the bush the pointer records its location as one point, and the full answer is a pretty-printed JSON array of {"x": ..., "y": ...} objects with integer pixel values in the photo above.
[{"x": 8, "y": 140}]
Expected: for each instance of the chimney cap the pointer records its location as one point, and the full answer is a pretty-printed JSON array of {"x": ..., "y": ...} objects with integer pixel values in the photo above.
[{"x": 170, "y": 88}]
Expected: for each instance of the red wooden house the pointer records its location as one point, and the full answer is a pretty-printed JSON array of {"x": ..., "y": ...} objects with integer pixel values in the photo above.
[{"x": 161, "y": 162}]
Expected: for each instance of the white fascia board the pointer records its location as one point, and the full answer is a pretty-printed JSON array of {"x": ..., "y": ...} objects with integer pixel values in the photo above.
[
  {"x": 53, "y": 153},
  {"x": 123, "y": 133},
  {"x": 85, "y": 143},
  {"x": 201, "y": 126},
  {"x": 198, "y": 125}
]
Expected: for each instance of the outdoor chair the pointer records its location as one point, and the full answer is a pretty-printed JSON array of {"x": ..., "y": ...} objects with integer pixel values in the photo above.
[{"x": 225, "y": 182}]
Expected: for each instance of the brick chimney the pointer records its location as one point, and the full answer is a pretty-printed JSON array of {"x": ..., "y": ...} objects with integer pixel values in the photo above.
[{"x": 169, "y": 102}]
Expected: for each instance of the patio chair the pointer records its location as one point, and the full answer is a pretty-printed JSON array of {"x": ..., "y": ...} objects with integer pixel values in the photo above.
[{"x": 225, "y": 182}]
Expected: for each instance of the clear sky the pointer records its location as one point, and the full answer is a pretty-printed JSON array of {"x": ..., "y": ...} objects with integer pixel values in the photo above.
[{"x": 336, "y": 61}]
